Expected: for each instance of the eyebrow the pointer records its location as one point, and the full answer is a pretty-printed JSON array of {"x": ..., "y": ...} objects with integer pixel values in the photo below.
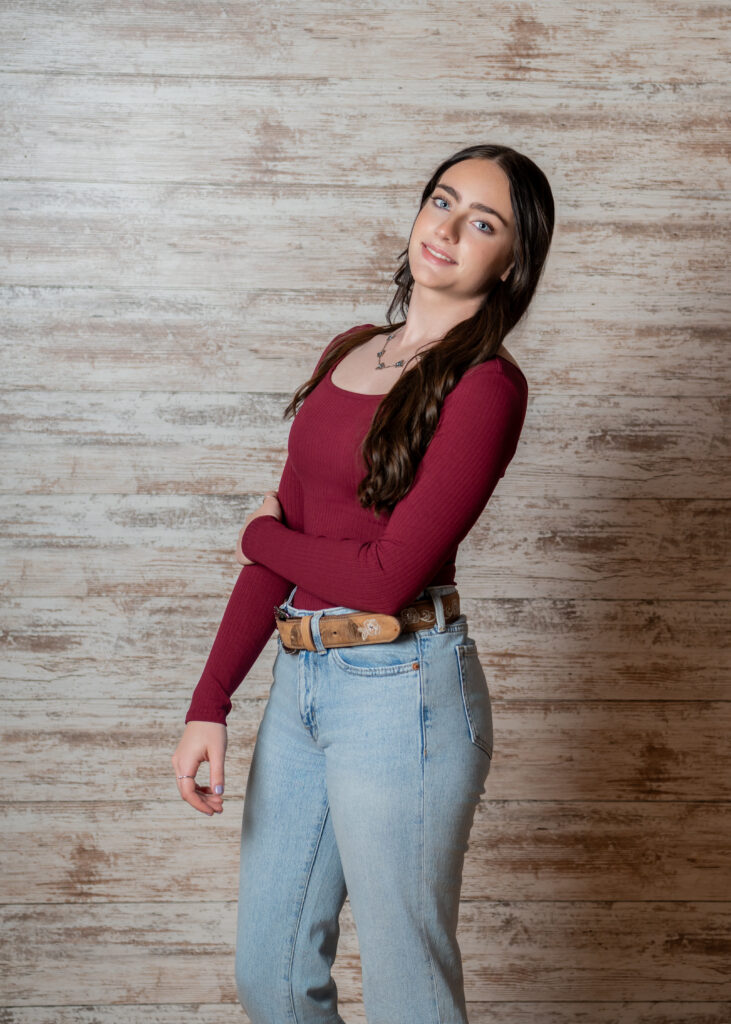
[{"x": 473, "y": 206}]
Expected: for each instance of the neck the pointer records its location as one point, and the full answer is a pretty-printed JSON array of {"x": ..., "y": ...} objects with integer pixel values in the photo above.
[{"x": 430, "y": 315}]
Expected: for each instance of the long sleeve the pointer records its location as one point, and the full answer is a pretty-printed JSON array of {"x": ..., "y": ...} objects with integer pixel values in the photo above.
[
  {"x": 247, "y": 622},
  {"x": 477, "y": 434}
]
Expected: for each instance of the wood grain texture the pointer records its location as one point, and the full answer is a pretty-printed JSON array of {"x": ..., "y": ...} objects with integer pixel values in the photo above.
[
  {"x": 573, "y": 1012},
  {"x": 530, "y": 648},
  {"x": 598, "y": 951},
  {"x": 152, "y": 442},
  {"x": 671, "y": 45},
  {"x": 591, "y": 341},
  {"x": 179, "y": 544},
  {"x": 550, "y": 750},
  {"x": 193, "y": 203},
  {"x": 520, "y": 850}
]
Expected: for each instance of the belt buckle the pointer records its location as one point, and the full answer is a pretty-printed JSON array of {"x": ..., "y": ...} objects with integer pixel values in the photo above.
[{"x": 279, "y": 613}]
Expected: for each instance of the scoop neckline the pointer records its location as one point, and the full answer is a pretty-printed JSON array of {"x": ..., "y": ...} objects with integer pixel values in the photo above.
[{"x": 366, "y": 394}]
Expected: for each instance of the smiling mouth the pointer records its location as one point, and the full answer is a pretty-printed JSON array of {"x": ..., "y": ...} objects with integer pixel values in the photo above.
[{"x": 437, "y": 255}]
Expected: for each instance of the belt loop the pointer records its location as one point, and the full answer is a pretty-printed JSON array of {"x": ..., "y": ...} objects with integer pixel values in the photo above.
[
  {"x": 438, "y": 608},
  {"x": 290, "y": 596},
  {"x": 315, "y": 629}
]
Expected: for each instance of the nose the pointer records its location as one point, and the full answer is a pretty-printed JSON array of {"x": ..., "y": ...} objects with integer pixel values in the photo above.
[{"x": 447, "y": 229}]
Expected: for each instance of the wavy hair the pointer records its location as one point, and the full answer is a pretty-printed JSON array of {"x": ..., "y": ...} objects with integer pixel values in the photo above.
[{"x": 407, "y": 416}]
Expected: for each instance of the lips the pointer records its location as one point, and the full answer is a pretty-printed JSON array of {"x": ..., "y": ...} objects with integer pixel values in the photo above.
[{"x": 436, "y": 259}]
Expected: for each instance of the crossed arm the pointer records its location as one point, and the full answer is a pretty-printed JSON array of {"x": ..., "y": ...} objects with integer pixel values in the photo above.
[{"x": 476, "y": 437}]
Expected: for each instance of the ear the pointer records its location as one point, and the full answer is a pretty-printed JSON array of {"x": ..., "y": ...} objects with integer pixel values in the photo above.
[{"x": 505, "y": 273}]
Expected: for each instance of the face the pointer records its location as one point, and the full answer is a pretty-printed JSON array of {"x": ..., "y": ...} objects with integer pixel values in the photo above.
[{"x": 454, "y": 221}]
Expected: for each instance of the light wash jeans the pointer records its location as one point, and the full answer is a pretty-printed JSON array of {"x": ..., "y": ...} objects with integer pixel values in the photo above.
[{"x": 368, "y": 766}]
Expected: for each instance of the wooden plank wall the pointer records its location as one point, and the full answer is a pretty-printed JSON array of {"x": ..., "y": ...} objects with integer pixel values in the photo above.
[{"x": 195, "y": 198}]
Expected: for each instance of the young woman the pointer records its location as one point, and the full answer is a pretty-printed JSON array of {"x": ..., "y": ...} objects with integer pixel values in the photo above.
[{"x": 376, "y": 740}]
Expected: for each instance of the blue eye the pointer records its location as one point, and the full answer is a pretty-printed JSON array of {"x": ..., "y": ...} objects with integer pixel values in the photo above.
[{"x": 441, "y": 199}]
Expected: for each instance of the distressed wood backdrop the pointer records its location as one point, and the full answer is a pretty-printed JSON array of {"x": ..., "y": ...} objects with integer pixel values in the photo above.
[{"x": 195, "y": 198}]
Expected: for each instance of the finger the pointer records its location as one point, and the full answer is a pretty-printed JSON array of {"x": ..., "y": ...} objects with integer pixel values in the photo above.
[
  {"x": 189, "y": 792},
  {"x": 216, "y": 759},
  {"x": 211, "y": 800},
  {"x": 208, "y": 795}
]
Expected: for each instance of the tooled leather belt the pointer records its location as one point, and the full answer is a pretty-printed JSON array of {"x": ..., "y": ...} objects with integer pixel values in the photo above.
[{"x": 352, "y": 628}]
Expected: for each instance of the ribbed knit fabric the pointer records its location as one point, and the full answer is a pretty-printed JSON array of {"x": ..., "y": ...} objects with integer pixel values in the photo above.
[{"x": 338, "y": 553}]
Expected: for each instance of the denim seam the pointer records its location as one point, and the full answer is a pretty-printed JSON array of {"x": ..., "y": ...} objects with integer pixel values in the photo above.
[
  {"x": 302, "y": 906},
  {"x": 420, "y": 655},
  {"x": 423, "y": 862}
]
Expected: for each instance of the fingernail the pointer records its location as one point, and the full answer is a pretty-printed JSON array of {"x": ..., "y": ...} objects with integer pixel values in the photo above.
[{"x": 218, "y": 788}]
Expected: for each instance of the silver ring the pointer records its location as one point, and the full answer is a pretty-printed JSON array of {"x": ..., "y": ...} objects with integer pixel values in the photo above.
[{"x": 186, "y": 776}]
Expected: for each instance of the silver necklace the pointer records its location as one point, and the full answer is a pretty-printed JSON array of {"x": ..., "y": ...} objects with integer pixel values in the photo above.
[{"x": 381, "y": 365}]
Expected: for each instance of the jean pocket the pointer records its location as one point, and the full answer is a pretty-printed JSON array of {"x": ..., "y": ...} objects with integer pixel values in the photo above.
[
  {"x": 394, "y": 657},
  {"x": 475, "y": 696}
]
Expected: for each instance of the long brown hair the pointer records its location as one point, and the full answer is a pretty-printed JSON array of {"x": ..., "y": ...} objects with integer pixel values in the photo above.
[{"x": 406, "y": 418}]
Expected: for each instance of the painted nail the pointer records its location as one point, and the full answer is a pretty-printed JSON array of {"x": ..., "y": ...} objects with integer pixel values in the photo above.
[{"x": 218, "y": 788}]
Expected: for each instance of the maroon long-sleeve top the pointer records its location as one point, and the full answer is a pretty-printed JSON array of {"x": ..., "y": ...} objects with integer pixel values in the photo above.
[{"x": 338, "y": 553}]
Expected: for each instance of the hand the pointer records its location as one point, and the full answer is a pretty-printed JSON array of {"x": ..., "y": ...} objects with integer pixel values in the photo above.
[
  {"x": 269, "y": 507},
  {"x": 201, "y": 741}
]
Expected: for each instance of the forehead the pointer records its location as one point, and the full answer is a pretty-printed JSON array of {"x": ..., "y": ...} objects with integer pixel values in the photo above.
[
  {"x": 480, "y": 181},
  {"x": 478, "y": 172}
]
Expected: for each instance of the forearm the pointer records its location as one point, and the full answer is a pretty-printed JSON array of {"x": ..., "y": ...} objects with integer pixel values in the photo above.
[
  {"x": 376, "y": 576},
  {"x": 247, "y": 624}
]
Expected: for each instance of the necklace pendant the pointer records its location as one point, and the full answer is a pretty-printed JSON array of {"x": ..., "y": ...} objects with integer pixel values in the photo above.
[{"x": 381, "y": 365}]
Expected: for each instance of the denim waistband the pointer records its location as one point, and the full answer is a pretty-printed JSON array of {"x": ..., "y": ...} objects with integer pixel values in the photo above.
[{"x": 434, "y": 592}]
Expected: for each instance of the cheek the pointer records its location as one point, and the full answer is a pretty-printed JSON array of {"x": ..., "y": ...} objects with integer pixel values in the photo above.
[
  {"x": 476, "y": 255},
  {"x": 486, "y": 251},
  {"x": 424, "y": 219},
  {"x": 427, "y": 220},
  {"x": 417, "y": 233},
  {"x": 483, "y": 259}
]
